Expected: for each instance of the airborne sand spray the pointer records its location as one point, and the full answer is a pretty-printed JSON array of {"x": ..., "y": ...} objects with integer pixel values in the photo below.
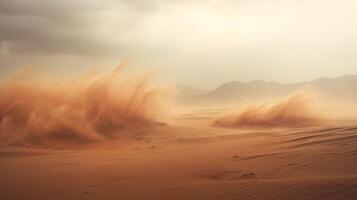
[
  {"x": 88, "y": 109},
  {"x": 294, "y": 111}
]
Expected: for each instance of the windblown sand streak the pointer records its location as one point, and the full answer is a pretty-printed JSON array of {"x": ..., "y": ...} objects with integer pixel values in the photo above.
[
  {"x": 89, "y": 109},
  {"x": 294, "y": 111}
]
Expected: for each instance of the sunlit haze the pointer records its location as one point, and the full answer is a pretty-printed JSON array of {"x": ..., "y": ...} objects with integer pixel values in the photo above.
[
  {"x": 201, "y": 43},
  {"x": 178, "y": 99}
]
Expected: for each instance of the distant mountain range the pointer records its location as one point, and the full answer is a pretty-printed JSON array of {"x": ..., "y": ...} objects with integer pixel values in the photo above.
[{"x": 235, "y": 91}]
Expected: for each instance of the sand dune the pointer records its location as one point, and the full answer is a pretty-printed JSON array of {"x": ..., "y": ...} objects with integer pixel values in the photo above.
[{"x": 193, "y": 161}]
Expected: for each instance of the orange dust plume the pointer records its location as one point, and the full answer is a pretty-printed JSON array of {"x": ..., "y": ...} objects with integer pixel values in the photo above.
[
  {"x": 295, "y": 111},
  {"x": 88, "y": 109}
]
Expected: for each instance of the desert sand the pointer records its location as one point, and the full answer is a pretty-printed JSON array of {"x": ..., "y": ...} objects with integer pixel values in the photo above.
[
  {"x": 178, "y": 100},
  {"x": 189, "y": 159}
]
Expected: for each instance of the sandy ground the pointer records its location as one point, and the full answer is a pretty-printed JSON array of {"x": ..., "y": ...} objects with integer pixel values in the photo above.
[{"x": 191, "y": 160}]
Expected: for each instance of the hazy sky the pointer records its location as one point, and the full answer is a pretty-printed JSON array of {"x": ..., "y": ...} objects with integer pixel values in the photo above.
[{"x": 196, "y": 42}]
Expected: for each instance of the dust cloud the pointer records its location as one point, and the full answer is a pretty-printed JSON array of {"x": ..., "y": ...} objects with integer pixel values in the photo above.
[
  {"x": 294, "y": 111},
  {"x": 89, "y": 109}
]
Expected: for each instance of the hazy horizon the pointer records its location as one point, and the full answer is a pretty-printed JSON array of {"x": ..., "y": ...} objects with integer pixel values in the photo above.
[
  {"x": 91, "y": 105},
  {"x": 199, "y": 43}
]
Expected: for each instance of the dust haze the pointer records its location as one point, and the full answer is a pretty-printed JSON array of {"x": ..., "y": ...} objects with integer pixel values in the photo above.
[
  {"x": 99, "y": 108},
  {"x": 120, "y": 135},
  {"x": 90, "y": 109},
  {"x": 221, "y": 100},
  {"x": 294, "y": 111}
]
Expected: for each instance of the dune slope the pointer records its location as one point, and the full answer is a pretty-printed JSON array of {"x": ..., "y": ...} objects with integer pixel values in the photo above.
[{"x": 192, "y": 161}]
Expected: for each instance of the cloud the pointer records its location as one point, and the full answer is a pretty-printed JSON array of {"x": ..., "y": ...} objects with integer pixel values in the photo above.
[
  {"x": 188, "y": 36},
  {"x": 67, "y": 27},
  {"x": 89, "y": 27}
]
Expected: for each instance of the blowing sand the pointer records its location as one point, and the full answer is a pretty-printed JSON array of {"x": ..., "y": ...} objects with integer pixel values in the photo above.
[
  {"x": 89, "y": 109},
  {"x": 294, "y": 111},
  {"x": 190, "y": 160},
  {"x": 102, "y": 138}
]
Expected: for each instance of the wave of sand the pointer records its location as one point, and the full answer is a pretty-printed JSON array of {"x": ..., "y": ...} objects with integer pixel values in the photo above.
[
  {"x": 295, "y": 111},
  {"x": 86, "y": 110}
]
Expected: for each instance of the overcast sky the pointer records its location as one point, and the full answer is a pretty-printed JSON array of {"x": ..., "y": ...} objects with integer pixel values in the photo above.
[{"x": 195, "y": 42}]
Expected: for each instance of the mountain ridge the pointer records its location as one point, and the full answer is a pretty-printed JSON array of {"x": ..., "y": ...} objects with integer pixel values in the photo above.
[{"x": 343, "y": 86}]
